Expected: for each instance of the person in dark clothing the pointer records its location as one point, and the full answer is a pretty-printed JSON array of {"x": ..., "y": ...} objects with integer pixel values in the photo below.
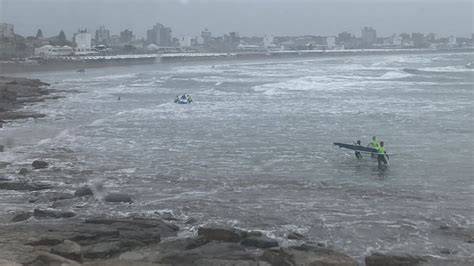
[{"x": 357, "y": 153}]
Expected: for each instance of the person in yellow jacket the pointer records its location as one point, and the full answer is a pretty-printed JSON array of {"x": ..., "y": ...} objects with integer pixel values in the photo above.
[
  {"x": 373, "y": 143},
  {"x": 382, "y": 155}
]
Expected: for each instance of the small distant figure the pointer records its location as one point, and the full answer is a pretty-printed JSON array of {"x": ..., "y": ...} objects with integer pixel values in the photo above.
[
  {"x": 118, "y": 98},
  {"x": 213, "y": 66},
  {"x": 358, "y": 155},
  {"x": 183, "y": 99},
  {"x": 382, "y": 156},
  {"x": 81, "y": 71}
]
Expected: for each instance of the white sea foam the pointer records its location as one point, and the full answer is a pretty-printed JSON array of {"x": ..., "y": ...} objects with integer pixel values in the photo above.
[
  {"x": 447, "y": 69},
  {"x": 395, "y": 75}
]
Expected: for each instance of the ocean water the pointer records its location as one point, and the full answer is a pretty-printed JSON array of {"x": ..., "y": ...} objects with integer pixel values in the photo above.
[{"x": 254, "y": 149}]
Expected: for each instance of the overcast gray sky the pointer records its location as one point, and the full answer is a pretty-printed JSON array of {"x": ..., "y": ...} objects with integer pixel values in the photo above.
[{"x": 249, "y": 18}]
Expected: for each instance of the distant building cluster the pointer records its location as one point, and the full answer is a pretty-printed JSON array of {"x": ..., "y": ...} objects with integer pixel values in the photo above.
[
  {"x": 6, "y": 30},
  {"x": 159, "y": 39}
]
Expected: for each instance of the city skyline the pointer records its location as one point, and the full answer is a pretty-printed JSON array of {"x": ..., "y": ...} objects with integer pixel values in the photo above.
[{"x": 279, "y": 18}]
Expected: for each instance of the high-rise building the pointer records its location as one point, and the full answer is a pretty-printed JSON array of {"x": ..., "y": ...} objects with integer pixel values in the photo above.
[
  {"x": 344, "y": 37},
  {"x": 6, "y": 30},
  {"x": 369, "y": 35},
  {"x": 234, "y": 37},
  {"x": 126, "y": 36},
  {"x": 206, "y": 36},
  {"x": 102, "y": 35},
  {"x": 159, "y": 35}
]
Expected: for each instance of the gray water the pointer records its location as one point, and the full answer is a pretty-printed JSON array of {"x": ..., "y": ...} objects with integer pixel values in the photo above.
[{"x": 255, "y": 149}]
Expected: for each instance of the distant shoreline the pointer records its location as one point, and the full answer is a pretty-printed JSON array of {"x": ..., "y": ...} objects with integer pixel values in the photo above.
[{"x": 71, "y": 63}]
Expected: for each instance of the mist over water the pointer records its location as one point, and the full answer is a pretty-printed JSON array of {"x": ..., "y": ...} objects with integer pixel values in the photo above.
[{"x": 255, "y": 149}]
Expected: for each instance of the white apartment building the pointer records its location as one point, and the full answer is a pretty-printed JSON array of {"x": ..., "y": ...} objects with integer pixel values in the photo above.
[{"x": 83, "y": 40}]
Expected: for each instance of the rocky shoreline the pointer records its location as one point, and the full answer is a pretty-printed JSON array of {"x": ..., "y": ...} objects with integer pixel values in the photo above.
[
  {"x": 57, "y": 232},
  {"x": 16, "y": 92},
  {"x": 62, "y": 228},
  {"x": 58, "y": 226}
]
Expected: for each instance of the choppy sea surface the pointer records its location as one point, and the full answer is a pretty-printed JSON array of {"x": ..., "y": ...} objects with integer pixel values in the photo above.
[{"x": 254, "y": 149}]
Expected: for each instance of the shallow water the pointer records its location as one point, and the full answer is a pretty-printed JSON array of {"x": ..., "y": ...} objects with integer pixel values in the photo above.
[{"x": 255, "y": 148}]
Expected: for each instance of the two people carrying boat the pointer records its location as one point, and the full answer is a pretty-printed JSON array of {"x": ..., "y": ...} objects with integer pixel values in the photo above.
[{"x": 382, "y": 156}]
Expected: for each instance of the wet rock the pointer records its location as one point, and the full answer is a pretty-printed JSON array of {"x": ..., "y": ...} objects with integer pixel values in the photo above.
[
  {"x": 24, "y": 186},
  {"x": 165, "y": 229},
  {"x": 138, "y": 234},
  {"x": 20, "y": 115},
  {"x": 118, "y": 197},
  {"x": 131, "y": 256},
  {"x": 9, "y": 263},
  {"x": 458, "y": 233},
  {"x": 4, "y": 164},
  {"x": 221, "y": 233},
  {"x": 307, "y": 255},
  {"x": 213, "y": 253},
  {"x": 446, "y": 251},
  {"x": 295, "y": 236},
  {"x": 23, "y": 171},
  {"x": 46, "y": 241},
  {"x": 69, "y": 250},
  {"x": 252, "y": 233},
  {"x": 190, "y": 220},
  {"x": 378, "y": 259},
  {"x": 37, "y": 164},
  {"x": 51, "y": 260},
  {"x": 83, "y": 191},
  {"x": 22, "y": 217},
  {"x": 41, "y": 214},
  {"x": 108, "y": 249},
  {"x": 259, "y": 242},
  {"x": 86, "y": 235}
]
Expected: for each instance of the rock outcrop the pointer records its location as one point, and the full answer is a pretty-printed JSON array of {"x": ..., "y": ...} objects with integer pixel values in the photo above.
[
  {"x": 377, "y": 259},
  {"x": 307, "y": 255},
  {"x": 16, "y": 91},
  {"x": 37, "y": 164},
  {"x": 23, "y": 185},
  {"x": 118, "y": 197},
  {"x": 83, "y": 191}
]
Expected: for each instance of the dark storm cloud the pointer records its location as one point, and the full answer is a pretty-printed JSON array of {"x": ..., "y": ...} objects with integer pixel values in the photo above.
[{"x": 257, "y": 17}]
